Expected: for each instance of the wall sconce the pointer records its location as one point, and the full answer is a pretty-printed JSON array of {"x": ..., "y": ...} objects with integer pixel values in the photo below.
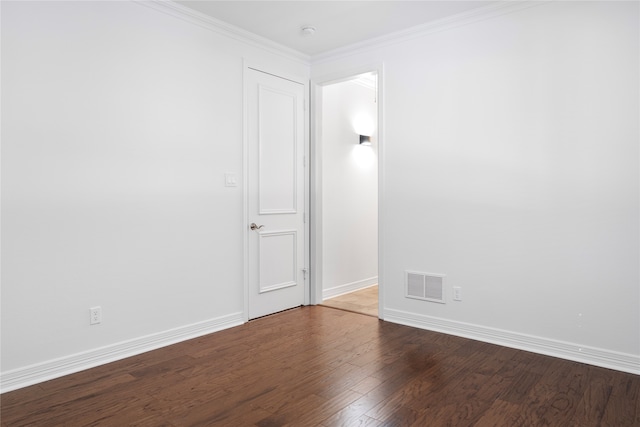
[{"x": 365, "y": 140}]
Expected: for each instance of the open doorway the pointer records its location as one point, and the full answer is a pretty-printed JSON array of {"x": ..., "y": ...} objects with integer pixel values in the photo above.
[{"x": 347, "y": 151}]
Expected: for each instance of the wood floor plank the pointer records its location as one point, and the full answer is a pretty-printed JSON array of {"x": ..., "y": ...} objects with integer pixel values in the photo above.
[
  {"x": 379, "y": 399},
  {"x": 534, "y": 407},
  {"x": 366, "y": 385},
  {"x": 396, "y": 402},
  {"x": 365, "y": 421},
  {"x": 355, "y": 411},
  {"x": 569, "y": 390},
  {"x": 521, "y": 386},
  {"x": 623, "y": 407},
  {"x": 595, "y": 397},
  {"x": 317, "y": 366},
  {"x": 501, "y": 413},
  {"x": 319, "y": 384},
  {"x": 74, "y": 393},
  {"x": 316, "y": 414},
  {"x": 456, "y": 404}
]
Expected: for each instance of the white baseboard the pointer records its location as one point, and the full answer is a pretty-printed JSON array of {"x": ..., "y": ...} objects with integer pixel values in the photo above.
[
  {"x": 565, "y": 350},
  {"x": 33, "y": 374},
  {"x": 349, "y": 287}
]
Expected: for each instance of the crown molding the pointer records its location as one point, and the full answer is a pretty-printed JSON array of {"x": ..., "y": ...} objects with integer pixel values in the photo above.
[
  {"x": 220, "y": 27},
  {"x": 223, "y": 28},
  {"x": 366, "y": 83},
  {"x": 464, "y": 18}
]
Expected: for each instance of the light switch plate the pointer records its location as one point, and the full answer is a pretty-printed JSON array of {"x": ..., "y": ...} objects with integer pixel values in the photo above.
[{"x": 230, "y": 180}]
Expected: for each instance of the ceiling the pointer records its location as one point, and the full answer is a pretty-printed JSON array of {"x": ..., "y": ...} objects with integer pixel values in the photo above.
[{"x": 337, "y": 23}]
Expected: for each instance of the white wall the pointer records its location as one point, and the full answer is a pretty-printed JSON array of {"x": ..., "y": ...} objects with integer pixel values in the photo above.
[
  {"x": 349, "y": 188},
  {"x": 118, "y": 124},
  {"x": 511, "y": 166},
  {"x": 511, "y": 163}
]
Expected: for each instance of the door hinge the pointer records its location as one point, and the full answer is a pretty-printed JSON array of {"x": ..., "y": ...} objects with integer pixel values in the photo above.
[
  {"x": 304, "y": 273},
  {"x": 304, "y": 217}
]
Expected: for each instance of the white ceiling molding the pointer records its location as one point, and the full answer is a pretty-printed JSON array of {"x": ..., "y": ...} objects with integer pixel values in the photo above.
[
  {"x": 194, "y": 17},
  {"x": 454, "y": 21},
  {"x": 367, "y": 80},
  {"x": 205, "y": 21}
]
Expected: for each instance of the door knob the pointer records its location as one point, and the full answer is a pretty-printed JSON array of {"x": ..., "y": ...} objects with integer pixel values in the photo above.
[{"x": 253, "y": 226}]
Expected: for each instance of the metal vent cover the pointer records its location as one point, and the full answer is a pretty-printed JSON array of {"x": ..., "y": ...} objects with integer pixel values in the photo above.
[{"x": 425, "y": 286}]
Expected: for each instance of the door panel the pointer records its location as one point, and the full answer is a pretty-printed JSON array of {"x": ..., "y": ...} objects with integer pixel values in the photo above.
[
  {"x": 278, "y": 266},
  {"x": 277, "y": 151},
  {"x": 275, "y": 144}
]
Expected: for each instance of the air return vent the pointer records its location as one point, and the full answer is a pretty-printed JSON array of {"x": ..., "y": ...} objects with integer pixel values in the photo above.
[{"x": 425, "y": 286}]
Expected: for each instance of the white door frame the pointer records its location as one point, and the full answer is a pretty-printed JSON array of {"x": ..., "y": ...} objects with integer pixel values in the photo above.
[
  {"x": 246, "y": 65},
  {"x": 316, "y": 177}
]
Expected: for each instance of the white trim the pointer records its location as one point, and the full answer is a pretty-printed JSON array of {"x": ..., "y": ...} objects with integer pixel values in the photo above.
[
  {"x": 444, "y": 24},
  {"x": 315, "y": 202},
  {"x": 565, "y": 350},
  {"x": 207, "y": 22},
  {"x": 37, "y": 373},
  {"x": 245, "y": 187},
  {"x": 349, "y": 287},
  {"x": 380, "y": 96}
]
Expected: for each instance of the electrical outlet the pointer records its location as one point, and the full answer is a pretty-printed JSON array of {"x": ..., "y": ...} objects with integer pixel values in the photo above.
[
  {"x": 95, "y": 315},
  {"x": 457, "y": 293}
]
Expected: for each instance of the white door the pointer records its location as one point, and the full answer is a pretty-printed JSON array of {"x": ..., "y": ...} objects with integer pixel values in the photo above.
[{"x": 276, "y": 198}]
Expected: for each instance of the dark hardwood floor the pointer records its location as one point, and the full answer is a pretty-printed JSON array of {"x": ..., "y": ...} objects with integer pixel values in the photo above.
[{"x": 318, "y": 366}]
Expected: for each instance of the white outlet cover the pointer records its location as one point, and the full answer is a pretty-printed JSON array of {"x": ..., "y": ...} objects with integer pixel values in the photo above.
[{"x": 95, "y": 315}]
